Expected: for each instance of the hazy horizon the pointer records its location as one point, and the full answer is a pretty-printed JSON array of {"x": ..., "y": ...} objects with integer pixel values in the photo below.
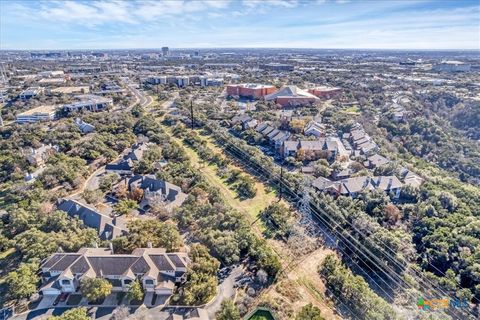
[{"x": 245, "y": 48}]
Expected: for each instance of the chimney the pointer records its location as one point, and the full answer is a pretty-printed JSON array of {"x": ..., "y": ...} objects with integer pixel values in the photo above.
[
  {"x": 110, "y": 245},
  {"x": 95, "y": 244},
  {"x": 390, "y": 182},
  {"x": 149, "y": 244}
]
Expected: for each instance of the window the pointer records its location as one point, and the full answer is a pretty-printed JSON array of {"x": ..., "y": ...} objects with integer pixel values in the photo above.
[
  {"x": 148, "y": 281},
  {"x": 127, "y": 281},
  {"x": 65, "y": 282}
]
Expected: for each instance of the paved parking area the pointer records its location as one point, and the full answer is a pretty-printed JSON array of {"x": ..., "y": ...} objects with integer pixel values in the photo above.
[
  {"x": 46, "y": 302},
  {"x": 110, "y": 300}
]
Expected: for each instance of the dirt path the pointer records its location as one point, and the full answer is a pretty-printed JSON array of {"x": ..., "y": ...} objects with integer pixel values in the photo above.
[{"x": 300, "y": 271}]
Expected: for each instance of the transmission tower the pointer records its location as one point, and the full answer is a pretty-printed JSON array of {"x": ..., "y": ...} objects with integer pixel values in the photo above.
[
  {"x": 306, "y": 234},
  {"x": 306, "y": 219}
]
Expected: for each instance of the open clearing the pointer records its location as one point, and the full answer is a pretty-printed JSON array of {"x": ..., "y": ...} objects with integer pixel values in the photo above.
[{"x": 300, "y": 272}]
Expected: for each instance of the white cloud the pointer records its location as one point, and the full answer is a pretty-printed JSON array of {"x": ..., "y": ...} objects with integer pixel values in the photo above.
[
  {"x": 95, "y": 13},
  {"x": 218, "y": 4},
  {"x": 91, "y": 14},
  {"x": 135, "y": 24},
  {"x": 266, "y": 3}
]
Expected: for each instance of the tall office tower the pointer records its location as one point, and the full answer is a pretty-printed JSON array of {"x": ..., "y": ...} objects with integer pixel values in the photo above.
[{"x": 165, "y": 51}]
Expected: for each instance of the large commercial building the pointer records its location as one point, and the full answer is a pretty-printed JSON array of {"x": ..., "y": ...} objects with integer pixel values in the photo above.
[
  {"x": 452, "y": 66},
  {"x": 165, "y": 51},
  {"x": 30, "y": 92},
  {"x": 325, "y": 92},
  {"x": 42, "y": 113},
  {"x": 51, "y": 74},
  {"x": 277, "y": 67},
  {"x": 183, "y": 81},
  {"x": 89, "y": 102},
  {"x": 250, "y": 90},
  {"x": 292, "y": 96}
]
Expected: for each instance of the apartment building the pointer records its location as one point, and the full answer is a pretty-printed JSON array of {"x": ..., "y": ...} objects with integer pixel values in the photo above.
[{"x": 157, "y": 270}]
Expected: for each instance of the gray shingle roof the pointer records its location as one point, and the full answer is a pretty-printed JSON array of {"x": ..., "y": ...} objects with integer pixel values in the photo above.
[
  {"x": 149, "y": 182},
  {"x": 91, "y": 218},
  {"x": 111, "y": 265},
  {"x": 65, "y": 262},
  {"x": 140, "y": 266},
  {"x": 80, "y": 266},
  {"x": 177, "y": 260},
  {"x": 161, "y": 262},
  {"x": 52, "y": 260}
]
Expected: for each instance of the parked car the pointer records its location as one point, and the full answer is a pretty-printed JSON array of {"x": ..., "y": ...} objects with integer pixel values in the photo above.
[
  {"x": 60, "y": 298},
  {"x": 63, "y": 297}
]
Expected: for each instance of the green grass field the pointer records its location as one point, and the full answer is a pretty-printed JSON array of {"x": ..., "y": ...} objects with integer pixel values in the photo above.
[{"x": 251, "y": 207}]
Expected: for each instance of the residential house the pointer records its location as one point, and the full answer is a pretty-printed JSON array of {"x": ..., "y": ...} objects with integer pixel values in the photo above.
[
  {"x": 353, "y": 186},
  {"x": 275, "y": 136},
  {"x": 157, "y": 270},
  {"x": 397, "y": 110},
  {"x": 108, "y": 228},
  {"x": 157, "y": 190},
  {"x": 410, "y": 178},
  {"x": 245, "y": 121},
  {"x": 264, "y": 130},
  {"x": 83, "y": 126},
  {"x": 314, "y": 128},
  {"x": 376, "y": 161},
  {"x": 278, "y": 139},
  {"x": 125, "y": 165},
  {"x": 39, "y": 156},
  {"x": 342, "y": 174},
  {"x": 137, "y": 151},
  {"x": 323, "y": 148},
  {"x": 361, "y": 141}
]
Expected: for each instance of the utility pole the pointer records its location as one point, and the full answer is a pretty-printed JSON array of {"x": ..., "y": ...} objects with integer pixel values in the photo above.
[
  {"x": 191, "y": 114},
  {"x": 281, "y": 183}
]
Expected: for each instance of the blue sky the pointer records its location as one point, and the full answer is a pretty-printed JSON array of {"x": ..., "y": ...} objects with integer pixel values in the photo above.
[{"x": 110, "y": 24}]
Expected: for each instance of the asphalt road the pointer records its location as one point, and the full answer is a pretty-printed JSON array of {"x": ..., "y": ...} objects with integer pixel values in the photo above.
[{"x": 225, "y": 291}]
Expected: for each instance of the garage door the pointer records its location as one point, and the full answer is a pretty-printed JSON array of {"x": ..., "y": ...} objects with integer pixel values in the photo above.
[{"x": 50, "y": 291}]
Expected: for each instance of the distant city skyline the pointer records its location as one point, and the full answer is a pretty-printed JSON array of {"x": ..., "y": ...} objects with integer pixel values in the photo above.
[{"x": 322, "y": 24}]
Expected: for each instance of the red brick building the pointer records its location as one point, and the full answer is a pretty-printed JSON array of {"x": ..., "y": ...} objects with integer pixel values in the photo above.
[
  {"x": 250, "y": 90},
  {"x": 325, "y": 92},
  {"x": 291, "y": 96}
]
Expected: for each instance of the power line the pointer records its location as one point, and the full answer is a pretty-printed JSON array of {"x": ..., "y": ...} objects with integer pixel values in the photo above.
[
  {"x": 319, "y": 213},
  {"x": 365, "y": 249}
]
